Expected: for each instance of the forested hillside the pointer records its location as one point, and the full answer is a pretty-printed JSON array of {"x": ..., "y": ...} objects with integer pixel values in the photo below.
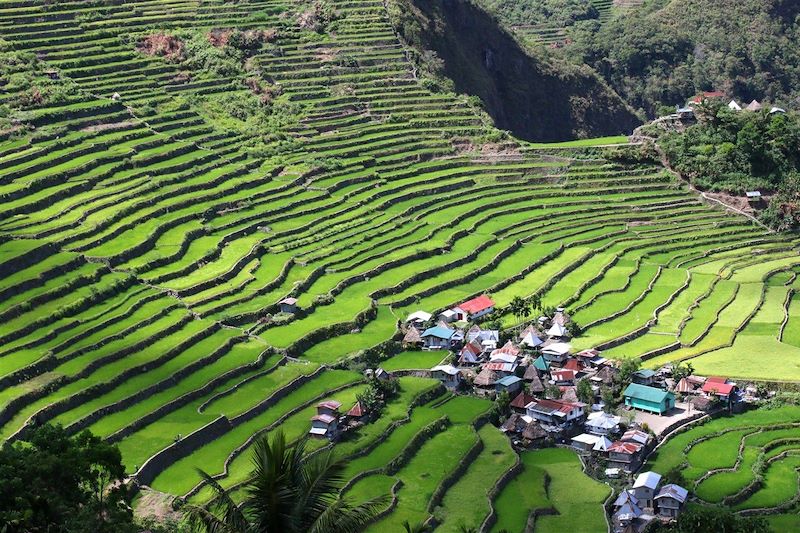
[{"x": 664, "y": 51}]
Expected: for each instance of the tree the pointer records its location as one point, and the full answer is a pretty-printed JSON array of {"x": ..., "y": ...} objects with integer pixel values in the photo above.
[
  {"x": 57, "y": 483},
  {"x": 584, "y": 391},
  {"x": 607, "y": 395},
  {"x": 680, "y": 370},
  {"x": 535, "y": 301},
  {"x": 552, "y": 392},
  {"x": 287, "y": 492},
  {"x": 705, "y": 519},
  {"x": 675, "y": 476},
  {"x": 417, "y": 527},
  {"x": 627, "y": 369},
  {"x": 519, "y": 307}
]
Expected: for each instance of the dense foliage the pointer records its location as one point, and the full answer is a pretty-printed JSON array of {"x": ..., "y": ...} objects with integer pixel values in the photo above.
[
  {"x": 741, "y": 151},
  {"x": 665, "y": 51},
  {"x": 56, "y": 483},
  {"x": 669, "y": 50},
  {"x": 287, "y": 492},
  {"x": 560, "y": 12},
  {"x": 712, "y": 520}
]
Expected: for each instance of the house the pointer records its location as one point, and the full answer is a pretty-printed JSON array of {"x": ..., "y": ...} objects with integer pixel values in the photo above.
[
  {"x": 775, "y": 110},
  {"x": 506, "y": 353},
  {"x": 514, "y": 424},
  {"x": 448, "y": 316},
  {"x": 590, "y": 358},
  {"x": 412, "y": 338},
  {"x": 558, "y": 331},
  {"x": 573, "y": 364},
  {"x": 288, "y": 305},
  {"x": 649, "y": 399},
  {"x": 470, "y": 353},
  {"x": 689, "y": 385},
  {"x": 382, "y": 375},
  {"x": 531, "y": 376},
  {"x": 584, "y": 442},
  {"x": 541, "y": 364},
  {"x": 520, "y": 401},
  {"x": 627, "y": 510},
  {"x": 645, "y": 488},
  {"x": 602, "y": 423},
  {"x": 636, "y": 436},
  {"x": 734, "y": 106},
  {"x": 685, "y": 113},
  {"x": 329, "y": 407},
  {"x": 486, "y": 378},
  {"x": 418, "y": 318},
  {"x": 625, "y": 455},
  {"x": 561, "y": 317},
  {"x": 605, "y": 376},
  {"x": 509, "y": 384},
  {"x": 754, "y": 106},
  {"x": 486, "y": 338},
  {"x": 534, "y": 433},
  {"x": 554, "y": 411},
  {"x": 449, "y": 375},
  {"x": 563, "y": 377},
  {"x": 720, "y": 388},
  {"x": 644, "y": 376},
  {"x": 502, "y": 357},
  {"x": 437, "y": 338},
  {"x": 556, "y": 352},
  {"x": 602, "y": 445},
  {"x": 357, "y": 413},
  {"x": 531, "y": 338},
  {"x": 477, "y": 307},
  {"x": 670, "y": 500},
  {"x": 703, "y": 403},
  {"x": 502, "y": 368},
  {"x": 325, "y": 424},
  {"x": 706, "y": 95},
  {"x": 753, "y": 197}
]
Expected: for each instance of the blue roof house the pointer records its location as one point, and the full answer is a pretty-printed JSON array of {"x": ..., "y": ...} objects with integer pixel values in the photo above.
[
  {"x": 649, "y": 399},
  {"x": 510, "y": 384},
  {"x": 437, "y": 338}
]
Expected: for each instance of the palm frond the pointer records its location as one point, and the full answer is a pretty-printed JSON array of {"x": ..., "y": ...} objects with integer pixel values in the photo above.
[{"x": 341, "y": 517}]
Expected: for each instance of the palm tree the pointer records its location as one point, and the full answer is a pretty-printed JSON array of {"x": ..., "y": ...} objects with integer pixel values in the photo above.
[
  {"x": 418, "y": 527},
  {"x": 519, "y": 307},
  {"x": 287, "y": 492}
]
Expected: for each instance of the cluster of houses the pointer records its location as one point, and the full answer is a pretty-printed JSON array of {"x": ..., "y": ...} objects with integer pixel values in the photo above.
[
  {"x": 687, "y": 112},
  {"x": 646, "y": 501},
  {"x": 330, "y": 423}
]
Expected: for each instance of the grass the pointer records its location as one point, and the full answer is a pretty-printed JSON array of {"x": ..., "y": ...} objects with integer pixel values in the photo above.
[
  {"x": 219, "y": 222},
  {"x": 496, "y": 458},
  {"x": 576, "y": 497}
]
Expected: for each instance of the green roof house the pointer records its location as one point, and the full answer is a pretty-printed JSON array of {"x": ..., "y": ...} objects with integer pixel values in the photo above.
[
  {"x": 541, "y": 364},
  {"x": 649, "y": 398}
]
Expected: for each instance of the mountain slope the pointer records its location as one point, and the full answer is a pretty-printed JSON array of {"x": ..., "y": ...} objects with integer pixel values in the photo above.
[{"x": 534, "y": 98}]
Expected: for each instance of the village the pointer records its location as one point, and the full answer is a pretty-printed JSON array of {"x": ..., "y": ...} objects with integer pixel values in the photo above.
[{"x": 611, "y": 413}]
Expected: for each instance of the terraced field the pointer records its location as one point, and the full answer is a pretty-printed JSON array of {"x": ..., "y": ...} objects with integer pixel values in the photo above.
[
  {"x": 749, "y": 462},
  {"x": 145, "y": 242}
]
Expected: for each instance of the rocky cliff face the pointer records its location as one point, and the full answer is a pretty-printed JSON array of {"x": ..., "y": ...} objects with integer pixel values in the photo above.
[{"x": 534, "y": 98}]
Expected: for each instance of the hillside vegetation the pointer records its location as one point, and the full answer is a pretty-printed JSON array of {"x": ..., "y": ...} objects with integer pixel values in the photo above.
[
  {"x": 535, "y": 97},
  {"x": 661, "y": 52},
  {"x": 743, "y": 151},
  {"x": 171, "y": 170}
]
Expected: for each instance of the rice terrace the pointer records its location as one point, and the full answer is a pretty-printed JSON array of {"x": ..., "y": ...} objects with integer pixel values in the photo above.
[{"x": 225, "y": 222}]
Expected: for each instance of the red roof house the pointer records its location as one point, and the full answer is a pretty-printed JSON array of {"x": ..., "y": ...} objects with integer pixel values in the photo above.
[
  {"x": 521, "y": 401},
  {"x": 357, "y": 411},
  {"x": 718, "y": 386},
  {"x": 478, "y": 306}
]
